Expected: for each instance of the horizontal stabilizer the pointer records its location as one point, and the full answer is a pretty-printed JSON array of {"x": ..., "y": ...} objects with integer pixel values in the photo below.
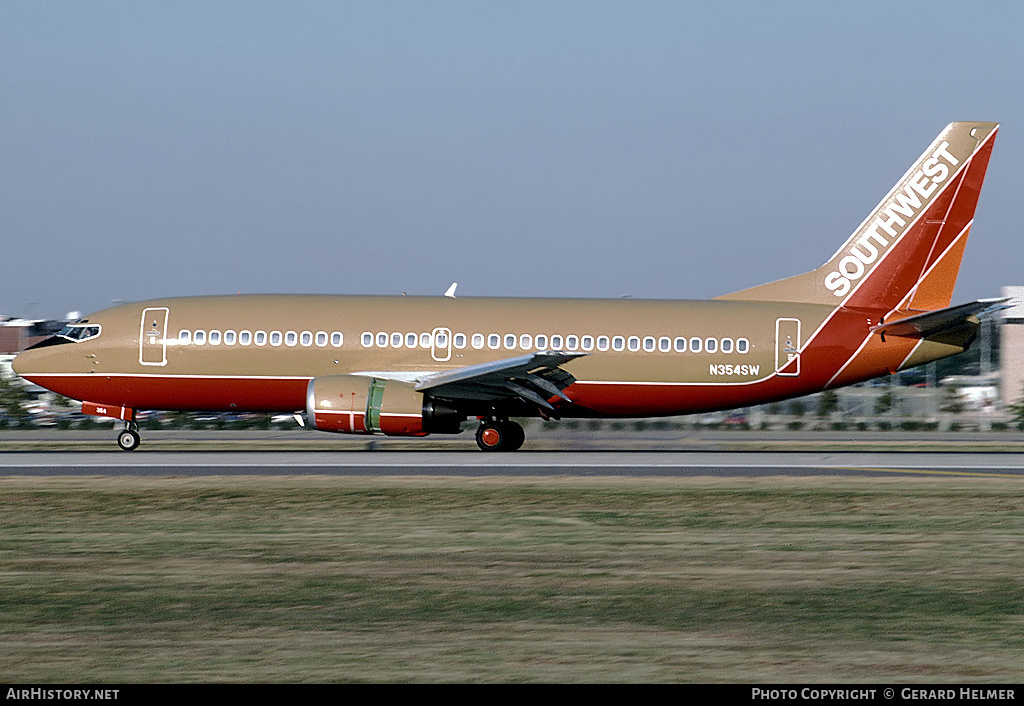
[{"x": 934, "y": 322}]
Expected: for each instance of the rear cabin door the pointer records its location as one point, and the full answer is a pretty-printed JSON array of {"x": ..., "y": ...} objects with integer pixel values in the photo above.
[
  {"x": 787, "y": 347},
  {"x": 153, "y": 336}
]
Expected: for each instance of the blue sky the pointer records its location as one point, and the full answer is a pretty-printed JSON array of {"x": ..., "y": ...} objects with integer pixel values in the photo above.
[{"x": 567, "y": 149}]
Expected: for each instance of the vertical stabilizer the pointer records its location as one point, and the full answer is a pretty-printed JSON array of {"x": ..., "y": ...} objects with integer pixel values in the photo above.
[{"x": 906, "y": 254}]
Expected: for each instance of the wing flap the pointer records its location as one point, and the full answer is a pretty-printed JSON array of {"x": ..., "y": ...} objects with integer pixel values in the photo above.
[{"x": 534, "y": 378}]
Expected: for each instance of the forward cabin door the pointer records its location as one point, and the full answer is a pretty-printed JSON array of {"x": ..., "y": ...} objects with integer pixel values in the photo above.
[
  {"x": 787, "y": 347},
  {"x": 153, "y": 336}
]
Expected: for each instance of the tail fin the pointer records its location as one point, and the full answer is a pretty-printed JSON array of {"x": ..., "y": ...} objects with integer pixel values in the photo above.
[{"x": 906, "y": 254}]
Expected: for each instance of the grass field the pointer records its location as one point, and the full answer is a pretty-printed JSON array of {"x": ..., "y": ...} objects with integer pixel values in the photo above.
[{"x": 316, "y": 579}]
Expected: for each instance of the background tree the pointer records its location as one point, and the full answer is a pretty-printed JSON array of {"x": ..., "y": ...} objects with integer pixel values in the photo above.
[
  {"x": 13, "y": 399},
  {"x": 953, "y": 402},
  {"x": 1017, "y": 409},
  {"x": 885, "y": 402},
  {"x": 828, "y": 402}
]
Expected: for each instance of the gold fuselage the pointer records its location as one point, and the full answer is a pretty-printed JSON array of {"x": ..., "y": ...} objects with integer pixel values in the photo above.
[{"x": 643, "y": 357}]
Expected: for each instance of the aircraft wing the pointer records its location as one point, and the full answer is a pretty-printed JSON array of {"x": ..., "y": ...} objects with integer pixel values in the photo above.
[
  {"x": 535, "y": 378},
  {"x": 933, "y": 322}
]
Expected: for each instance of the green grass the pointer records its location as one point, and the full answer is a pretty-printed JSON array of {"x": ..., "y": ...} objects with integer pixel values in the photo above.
[{"x": 416, "y": 579}]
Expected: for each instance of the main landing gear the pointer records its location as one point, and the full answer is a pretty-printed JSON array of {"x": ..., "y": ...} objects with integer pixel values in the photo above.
[
  {"x": 129, "y": 439},
  {"x": 499, "y": 435}
]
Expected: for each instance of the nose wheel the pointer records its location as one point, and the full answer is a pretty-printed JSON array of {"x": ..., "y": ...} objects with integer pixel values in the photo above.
[
  {"x": 499, "y": 435},
  {"x": 129, "y": 439}
]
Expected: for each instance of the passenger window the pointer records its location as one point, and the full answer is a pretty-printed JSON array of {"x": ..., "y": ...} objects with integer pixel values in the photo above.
[
  {"x": 742, "y": 345},
  {"x": 556, "y": 342},
  {"x": 510, "y": 341},
  {"x": 587, "y": 343},
  {"x": 727, "y": 345},
  {"x": 229, "y": 338},
  {"x": 526, "y": 341},
  {"x": 367, "y": 339},
  {"x": 275, "y": 338},
  {"x": 214, "y": 338},
  {"x": 680, "y": 345},
  {"x": 245, "y": 337},
  {"x": 711, "y": 345},
  {"x": 459, "y": 340},
  {"x": 648, "y": 343},
  {"x": 306, "y": 338},
  {"x": 291, "y": 338},
  {"x": 695, "y": 345},
  {"x": 260, "y": 339},
  {"x": 618, "y": 343},
  {"x": 542, "y": 342},
  {"x": 382, "y": 340},
  {"x": 199, "y": 337},
  {"x": 572, "y": 342},
  {"x": 337, "y": 339},
  {"x": 184, "y": 337},
  {"x": 396, "y": 340},
  {"x": 410, "y": 340},
  {"x": 603, "y": 343},
  {"x": 321, "y": 338},
  {"x": 633, "y": 343},
  {"x": 426, "y": 340},
  {"x": 664, "y": 344},
  {"x": 493, "y": 341},
  {"x": 478, "y": 340}
]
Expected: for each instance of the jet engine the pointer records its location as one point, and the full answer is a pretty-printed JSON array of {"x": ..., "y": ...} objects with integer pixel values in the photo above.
[{"x": 354, "y": 404}]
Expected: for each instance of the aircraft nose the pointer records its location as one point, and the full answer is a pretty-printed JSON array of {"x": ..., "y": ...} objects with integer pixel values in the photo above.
[
  {"x": 41, "y": 357},
  {"x": 29, "y": 362},
  {"x": 22, "y": 363}
]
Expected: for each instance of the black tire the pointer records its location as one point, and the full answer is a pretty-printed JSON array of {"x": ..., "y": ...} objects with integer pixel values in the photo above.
[
  {"x": 129, "y": 440},
  {"x": 499, "y": 436},
  {"x": 514, "y": 436}
]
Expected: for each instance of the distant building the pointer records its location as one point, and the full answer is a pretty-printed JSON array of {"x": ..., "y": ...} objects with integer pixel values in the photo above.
[
  {"x": 18, "y": 334},
  {"x": 1012, "y": 347}
]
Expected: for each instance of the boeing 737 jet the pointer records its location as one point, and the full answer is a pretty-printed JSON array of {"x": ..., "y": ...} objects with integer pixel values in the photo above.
[{"x": 412, "y": 366}]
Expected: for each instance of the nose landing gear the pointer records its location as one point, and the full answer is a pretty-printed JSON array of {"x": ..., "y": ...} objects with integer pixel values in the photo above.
[{"x": 499, "y": 435}]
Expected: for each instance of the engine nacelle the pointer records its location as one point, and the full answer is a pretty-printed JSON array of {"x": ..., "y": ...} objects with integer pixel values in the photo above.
[{"x": 353, "y": 404}]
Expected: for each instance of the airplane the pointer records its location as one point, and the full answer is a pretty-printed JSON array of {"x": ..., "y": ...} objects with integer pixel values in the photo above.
[{"x": 412, "y": 366}]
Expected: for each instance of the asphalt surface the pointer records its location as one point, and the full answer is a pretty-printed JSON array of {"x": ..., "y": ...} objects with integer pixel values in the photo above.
[
  {"x": 522, "y": 463},
  {"x": 681, "y": 454}
]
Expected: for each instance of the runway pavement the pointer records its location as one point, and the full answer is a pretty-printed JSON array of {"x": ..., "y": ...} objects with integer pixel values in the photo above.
[
  {"x": 522, "y": 463},
  {"x": 690, "y": 453}
]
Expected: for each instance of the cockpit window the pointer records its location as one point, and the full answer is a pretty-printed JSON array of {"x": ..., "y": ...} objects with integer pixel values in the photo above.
[{"x": 79, "y": 332}]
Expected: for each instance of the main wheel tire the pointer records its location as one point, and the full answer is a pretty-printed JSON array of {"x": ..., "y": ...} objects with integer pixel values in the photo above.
[
  {"x": 500, "y": 436},
  {"x": 490, "y": 437},
  {"x": 129, "y": 440},
  {"x": 514, "y": 436}
]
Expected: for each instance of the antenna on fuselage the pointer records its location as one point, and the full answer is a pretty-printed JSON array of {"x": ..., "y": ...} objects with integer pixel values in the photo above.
[{"x": 451, "y": 290}]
